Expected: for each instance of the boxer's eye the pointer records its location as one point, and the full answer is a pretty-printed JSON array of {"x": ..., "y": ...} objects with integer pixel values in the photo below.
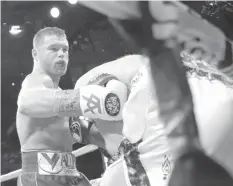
[
  {"x": 65, "y": 50},
  {"x": 54, "y": 49}
]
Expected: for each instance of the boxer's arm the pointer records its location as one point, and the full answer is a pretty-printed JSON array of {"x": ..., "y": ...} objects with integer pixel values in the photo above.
[
  {"x": 38, "y": 98},
  {"x": 48, "y": 102}
]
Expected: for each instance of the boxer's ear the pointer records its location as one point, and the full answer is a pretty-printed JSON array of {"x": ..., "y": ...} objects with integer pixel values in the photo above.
[{"x": 34, "y": 53}]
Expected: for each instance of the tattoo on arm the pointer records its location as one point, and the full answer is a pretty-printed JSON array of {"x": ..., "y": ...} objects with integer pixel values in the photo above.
[{"x": 68, "y": 101}]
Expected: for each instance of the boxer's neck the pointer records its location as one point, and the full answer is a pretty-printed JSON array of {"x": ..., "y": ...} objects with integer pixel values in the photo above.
[{"x": 55, "y": 79}]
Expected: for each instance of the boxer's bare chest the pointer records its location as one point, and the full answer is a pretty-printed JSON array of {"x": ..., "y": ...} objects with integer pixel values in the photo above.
[{"x": 44, "y": 133}]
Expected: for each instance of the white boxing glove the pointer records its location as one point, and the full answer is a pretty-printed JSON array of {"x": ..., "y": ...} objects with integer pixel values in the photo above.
[{"x": 104, "y": 103}]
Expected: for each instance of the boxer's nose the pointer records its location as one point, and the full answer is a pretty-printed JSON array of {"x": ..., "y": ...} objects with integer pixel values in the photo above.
[{"x": 61, "y": 53}]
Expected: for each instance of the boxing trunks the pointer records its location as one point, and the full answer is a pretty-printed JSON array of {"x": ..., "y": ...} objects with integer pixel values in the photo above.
[{"x": 50, "y": 168}]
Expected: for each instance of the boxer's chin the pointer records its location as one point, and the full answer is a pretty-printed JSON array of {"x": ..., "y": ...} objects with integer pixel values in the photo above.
[{"x": 60, "y": 72}]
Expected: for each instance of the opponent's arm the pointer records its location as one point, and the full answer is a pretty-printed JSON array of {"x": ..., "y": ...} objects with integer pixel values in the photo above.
[{"x": 124, "y": 69}]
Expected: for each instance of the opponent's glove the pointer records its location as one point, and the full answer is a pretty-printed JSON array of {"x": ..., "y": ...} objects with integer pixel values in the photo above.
[
  {"x": 84, "y": 131},
  {"x": 105, "y": 100},
  {"x": 82, "y": 128}
]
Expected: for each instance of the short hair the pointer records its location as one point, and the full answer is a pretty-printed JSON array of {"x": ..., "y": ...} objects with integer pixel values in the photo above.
[{"x": 47, "y": 31}]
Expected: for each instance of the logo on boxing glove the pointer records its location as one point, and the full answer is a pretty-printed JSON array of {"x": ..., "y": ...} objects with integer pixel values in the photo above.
[{"x": 112, "y": 104}]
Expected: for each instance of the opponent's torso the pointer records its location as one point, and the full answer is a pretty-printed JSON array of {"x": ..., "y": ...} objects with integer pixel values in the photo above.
[
  {"x": 212, "y": 102},
  {"x": 213, "y": 106},
  {"x": 142, "y": 122},
  {"x": 141, "y": 119},
  {"x": 43, "y": 133}
]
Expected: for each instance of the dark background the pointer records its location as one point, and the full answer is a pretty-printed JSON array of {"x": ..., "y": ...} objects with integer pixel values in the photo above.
[{"x": 92, "y": 41}]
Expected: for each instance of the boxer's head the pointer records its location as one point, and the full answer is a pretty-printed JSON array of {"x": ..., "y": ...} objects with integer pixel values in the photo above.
[{"x": 50, "y": 51}]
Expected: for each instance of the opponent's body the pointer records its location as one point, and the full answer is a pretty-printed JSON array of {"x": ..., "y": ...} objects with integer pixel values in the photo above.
[
  {"x": 213, "y": 106},
  {"x": 141, "y": 121},
  {"x": 112, "y": 130},
  {"x": 43, "y": 111}
]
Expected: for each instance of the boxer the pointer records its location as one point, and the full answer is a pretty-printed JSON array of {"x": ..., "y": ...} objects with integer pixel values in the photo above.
[
  {"x": 43, "y": 111},
  {"x": 142, "y": 128}
]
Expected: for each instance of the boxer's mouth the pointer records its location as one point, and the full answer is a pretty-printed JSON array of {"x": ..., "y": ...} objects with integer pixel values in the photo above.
[{"x": 61, "y": 63}]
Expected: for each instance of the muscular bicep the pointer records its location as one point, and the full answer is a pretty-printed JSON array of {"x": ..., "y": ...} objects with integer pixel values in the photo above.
[
  {"x": 34, "y": 91},
  {"x": 43, "y": 101},
  {"x": 37, "y": 102}
]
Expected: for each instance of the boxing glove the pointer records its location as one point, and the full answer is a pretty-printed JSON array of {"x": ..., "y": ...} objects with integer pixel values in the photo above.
[
  {"x": 80, "y": 128},
  {"x": 104, "y": 103},
  {"x": 84, "y": 131}
]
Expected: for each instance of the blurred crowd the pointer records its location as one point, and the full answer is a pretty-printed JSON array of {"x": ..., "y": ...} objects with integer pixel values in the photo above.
[{"x": 10, "y": 158}]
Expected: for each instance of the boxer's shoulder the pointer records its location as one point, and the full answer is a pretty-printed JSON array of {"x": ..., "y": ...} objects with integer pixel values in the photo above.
[{"x": 37, "y": 80}]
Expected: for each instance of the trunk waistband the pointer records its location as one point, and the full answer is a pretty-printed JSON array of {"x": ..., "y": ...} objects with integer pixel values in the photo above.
[{"x": 49, "y": 163}]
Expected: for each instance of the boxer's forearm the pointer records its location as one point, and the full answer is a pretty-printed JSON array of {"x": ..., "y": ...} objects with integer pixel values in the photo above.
[
  {"x": 92, "y": 101},
  {"x": 42, "y": 103}
]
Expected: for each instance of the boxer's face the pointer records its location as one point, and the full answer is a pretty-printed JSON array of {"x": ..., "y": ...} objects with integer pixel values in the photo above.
[{"x": 52, "y": 54}]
